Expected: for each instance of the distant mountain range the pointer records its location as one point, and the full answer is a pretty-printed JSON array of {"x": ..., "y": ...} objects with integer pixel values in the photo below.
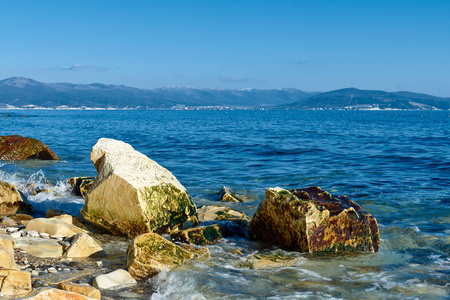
[
  {"x": 19, "y": 92},
  {"x": 352, "y": 98}
]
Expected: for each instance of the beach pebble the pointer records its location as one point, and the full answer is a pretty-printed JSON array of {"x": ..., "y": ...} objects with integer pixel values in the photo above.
[
  {"x": 12, "y": 229},
  {"x": 57, "y": 237},
  {"x": 16, "y": 235},
  {"x": 52, "y": 270},
  {"x": 44, "y": 235},
  {"x": 34, "y": 273},
  {"x": 33, "y": 233},
  {"x": 99, "y": 263}
]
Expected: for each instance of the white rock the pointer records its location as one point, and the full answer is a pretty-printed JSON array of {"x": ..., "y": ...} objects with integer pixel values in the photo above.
[
  {"x": 52, "y": 270},
  {"x": 34, "y": 273},
  {"x": 12, "y": 229},
  {"x": 33, "y": 233},
  {"x": 118, "y": 278},
  {"x": 133, "y": 194},
  {"x": 44, "y": 235},
  {"x": 16, "y": 235}
]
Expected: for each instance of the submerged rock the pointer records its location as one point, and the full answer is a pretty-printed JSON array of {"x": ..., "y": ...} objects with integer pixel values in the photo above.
[
  {"x": 81, "y": 185},
  {"x": 217, "y": 222},
  {"x": 227, "y": 195},
  {"x": 312, "y": 220},
  {"x": 16, "y": 147},
  {"x": 132, "y": 194},
  {"x": 12, "y": 200},
  {"x": 149, "y": 253}
]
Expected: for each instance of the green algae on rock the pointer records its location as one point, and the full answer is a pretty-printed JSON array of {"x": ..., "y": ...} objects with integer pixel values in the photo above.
[
  {"x": 132, "y": 194},
  {"x": 149, "y": 253},
  {"x": 16, "y": 147},
  {"x": 312, "y": 220}
]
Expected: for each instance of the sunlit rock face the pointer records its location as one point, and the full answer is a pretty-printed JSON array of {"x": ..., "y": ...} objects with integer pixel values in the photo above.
[
  {"x": 312, "y": 220},
  {"x": 133, "y": 194}
]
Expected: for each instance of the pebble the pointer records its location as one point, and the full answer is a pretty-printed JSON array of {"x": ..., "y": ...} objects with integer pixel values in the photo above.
[
  {"x": 52, "y": 270},
  {"x": 66, "y": 269},
  {"x": 34, "y": 273},
  {"x": 44, "y": 235},
  {"x": 11, "y": 229},
  {"x": 33, "y": 233},
  {"x": 16, "y": 235},
  {"x": 57, "y": 237},
  {"x": 59, "y": 269},
  {"x": 99, "y": 263}
]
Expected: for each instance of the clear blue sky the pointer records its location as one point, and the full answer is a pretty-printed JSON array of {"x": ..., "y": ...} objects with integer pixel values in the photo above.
[{"x": 310, "y": 45}]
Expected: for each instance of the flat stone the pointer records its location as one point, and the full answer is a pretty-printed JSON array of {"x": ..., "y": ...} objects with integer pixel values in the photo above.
[
  {"x": 83, "y": 289},
  {"x": 53, "y": 227},
  {"x": 50, "y": 293},
  {"x": 39, "y": 247},
  {"x": 56, "y": 278},
  {"x": 117, "y": 278}
]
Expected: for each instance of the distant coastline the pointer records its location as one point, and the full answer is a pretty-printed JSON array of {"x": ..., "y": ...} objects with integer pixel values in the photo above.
[{"x": 23, "y": 93}]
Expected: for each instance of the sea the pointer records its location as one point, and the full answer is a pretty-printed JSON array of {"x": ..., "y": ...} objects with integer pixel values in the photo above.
[{"x": 395, "y": 164}]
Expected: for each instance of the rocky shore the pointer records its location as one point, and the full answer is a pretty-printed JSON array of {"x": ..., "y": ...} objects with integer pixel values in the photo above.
[{"x": 145, "y": 207}]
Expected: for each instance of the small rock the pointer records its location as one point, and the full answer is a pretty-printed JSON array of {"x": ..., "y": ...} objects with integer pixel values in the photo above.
[
  {"x": 34, "y": 273},
  {"x": 12, "y": 229},
  {"x": 57, "y": 237},
  {"x": 33, "y": 233},
  {"x": 44, "y": 235},
  {"x": 52, "y": 270},
  {"x": 16, "y": 235},
  {"x": 99, "y": 263}
]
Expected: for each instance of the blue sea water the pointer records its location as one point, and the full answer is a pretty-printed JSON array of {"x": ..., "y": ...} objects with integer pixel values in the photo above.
[{"x": 395, "y": 164}]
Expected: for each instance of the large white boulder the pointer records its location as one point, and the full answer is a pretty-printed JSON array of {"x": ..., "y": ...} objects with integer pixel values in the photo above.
[{"x": 132, "y": 194}]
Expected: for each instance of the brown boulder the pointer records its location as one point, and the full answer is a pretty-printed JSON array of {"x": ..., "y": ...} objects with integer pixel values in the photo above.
[
  {"x": 312, "y": 220},
  {"x": 12, "y": 200},
  {"x": 16, "y": 147}
]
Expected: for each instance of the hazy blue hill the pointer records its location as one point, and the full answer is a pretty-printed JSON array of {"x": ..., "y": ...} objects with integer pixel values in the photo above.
[
  {"x": 21, "y": 92},
  {"x": 352, "y": 98}
]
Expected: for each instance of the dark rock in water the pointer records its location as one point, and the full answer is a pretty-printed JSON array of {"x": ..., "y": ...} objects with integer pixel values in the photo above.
[
  {"x": 227, "y": 195},
  {"x": 216, "y": 222},
  {"x": 12, "y": 200},
  {"x": 16, "y": 147},
  {"x": 81, "y": 185},
  {"x": 312, "y": 220}
]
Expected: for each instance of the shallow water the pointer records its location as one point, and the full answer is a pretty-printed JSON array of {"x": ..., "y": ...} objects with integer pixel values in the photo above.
[{"x": 396, "y": 165}]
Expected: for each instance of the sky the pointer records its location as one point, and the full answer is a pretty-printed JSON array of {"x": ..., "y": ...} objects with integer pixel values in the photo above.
[{"x": 309, "y": 45}]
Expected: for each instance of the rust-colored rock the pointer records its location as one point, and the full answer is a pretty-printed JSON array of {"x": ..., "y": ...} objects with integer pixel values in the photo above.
[
  {"x": 16, "y": 147},
  {"x": 312, "y": 220}
]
